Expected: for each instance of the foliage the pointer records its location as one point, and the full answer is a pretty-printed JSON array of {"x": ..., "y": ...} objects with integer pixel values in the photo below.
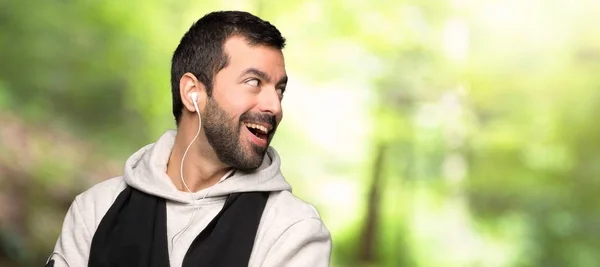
[{"x": 453, "y": 133}]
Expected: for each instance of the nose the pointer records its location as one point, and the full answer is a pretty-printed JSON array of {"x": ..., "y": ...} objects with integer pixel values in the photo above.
[{"x": 270, "y": 102}]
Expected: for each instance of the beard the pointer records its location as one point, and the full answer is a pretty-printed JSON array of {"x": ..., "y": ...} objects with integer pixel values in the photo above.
[{"x": 223, "y": 133}]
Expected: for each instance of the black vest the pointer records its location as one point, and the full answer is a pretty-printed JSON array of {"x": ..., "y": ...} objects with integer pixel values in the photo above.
[{"x": 133, "y": 233}]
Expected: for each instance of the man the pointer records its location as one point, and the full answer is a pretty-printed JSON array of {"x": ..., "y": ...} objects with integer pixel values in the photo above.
[{"x": 210, "y": 193}]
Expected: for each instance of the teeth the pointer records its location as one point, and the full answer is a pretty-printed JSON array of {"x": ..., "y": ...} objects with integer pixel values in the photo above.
[{"x": 258, "y": 127}]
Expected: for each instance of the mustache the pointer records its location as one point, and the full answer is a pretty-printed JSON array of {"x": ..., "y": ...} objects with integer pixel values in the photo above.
[{"x": 264, "y": 118}]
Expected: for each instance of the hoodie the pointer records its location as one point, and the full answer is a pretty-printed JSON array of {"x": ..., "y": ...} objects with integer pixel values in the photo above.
[{"x": 290, "y": 233}]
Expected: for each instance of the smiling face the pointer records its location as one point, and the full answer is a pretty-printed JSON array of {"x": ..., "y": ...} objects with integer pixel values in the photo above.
[{"x": 242, "y": 114}]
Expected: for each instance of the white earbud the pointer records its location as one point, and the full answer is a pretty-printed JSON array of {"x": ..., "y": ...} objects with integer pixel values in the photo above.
[{"x": 194, "y": 96}]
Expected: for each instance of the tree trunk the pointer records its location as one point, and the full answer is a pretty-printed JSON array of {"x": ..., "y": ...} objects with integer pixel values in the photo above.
[{"x": 367, "y": 249}]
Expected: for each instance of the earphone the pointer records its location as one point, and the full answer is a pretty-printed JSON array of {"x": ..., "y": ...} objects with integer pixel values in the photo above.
[{"x": 194, "y": 97}]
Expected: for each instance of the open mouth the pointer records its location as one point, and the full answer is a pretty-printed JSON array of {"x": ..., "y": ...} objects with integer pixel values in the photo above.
[{"x": 260, "y": 131}]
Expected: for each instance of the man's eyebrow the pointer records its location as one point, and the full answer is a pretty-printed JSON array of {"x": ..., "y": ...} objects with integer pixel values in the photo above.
[
  {"x": 263, "y": 75},
  {"x": 283, "y": 80}
]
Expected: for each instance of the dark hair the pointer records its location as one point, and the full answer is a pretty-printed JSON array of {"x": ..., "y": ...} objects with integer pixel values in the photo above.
[{"x": 200, "y": 50}]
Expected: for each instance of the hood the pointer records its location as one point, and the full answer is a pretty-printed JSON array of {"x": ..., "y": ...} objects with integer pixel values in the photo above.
[{"x": 146, "y": 170}]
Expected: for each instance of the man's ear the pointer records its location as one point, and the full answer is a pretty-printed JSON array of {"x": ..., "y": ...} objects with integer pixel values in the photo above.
[{"x": 188, "y": 84}]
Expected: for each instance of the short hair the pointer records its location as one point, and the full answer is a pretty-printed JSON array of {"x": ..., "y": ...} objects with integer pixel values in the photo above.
[{"x": 201, "y": 49}]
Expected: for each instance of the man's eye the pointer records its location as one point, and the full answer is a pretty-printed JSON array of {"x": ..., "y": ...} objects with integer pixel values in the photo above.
[
  {"x": 280, "y": 92},
  {"x": 253, "y": 82}
]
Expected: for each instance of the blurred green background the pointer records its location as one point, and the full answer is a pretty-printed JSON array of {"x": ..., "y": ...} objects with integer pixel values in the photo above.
[{"x": 427, "y": 133}]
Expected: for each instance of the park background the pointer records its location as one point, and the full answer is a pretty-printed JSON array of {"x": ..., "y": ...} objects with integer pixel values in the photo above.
[{"x": 427, "y": 133}]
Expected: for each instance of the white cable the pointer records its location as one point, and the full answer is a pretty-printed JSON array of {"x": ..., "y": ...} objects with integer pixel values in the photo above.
[
  {"x": 177, "y": 235},
  {"x": 186, "y": 151},
  {"x": 173, "y": 240}
]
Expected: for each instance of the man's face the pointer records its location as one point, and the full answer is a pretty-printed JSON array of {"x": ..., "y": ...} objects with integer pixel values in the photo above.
[{"x": 242, "y": 115}]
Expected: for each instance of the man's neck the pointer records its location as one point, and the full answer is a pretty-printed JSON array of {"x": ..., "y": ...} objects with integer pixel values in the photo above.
[{"x": 200, "y": 169}]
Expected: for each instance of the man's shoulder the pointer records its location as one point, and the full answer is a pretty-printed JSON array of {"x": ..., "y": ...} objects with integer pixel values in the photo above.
[
  {"x": 101, "y": 194},
  {"x": 90, "y": 206},
  {"x": 291, "y": 225},
  {"x": 286, "y": 206},
  {"x": 102, "y": 188}
]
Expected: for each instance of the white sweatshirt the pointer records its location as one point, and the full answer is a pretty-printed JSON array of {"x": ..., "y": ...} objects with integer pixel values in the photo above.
[{"x": 290, "y": 233}]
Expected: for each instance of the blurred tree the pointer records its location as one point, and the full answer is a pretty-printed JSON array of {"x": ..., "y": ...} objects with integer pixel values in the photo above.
[{"x": 481, "y": 137}]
